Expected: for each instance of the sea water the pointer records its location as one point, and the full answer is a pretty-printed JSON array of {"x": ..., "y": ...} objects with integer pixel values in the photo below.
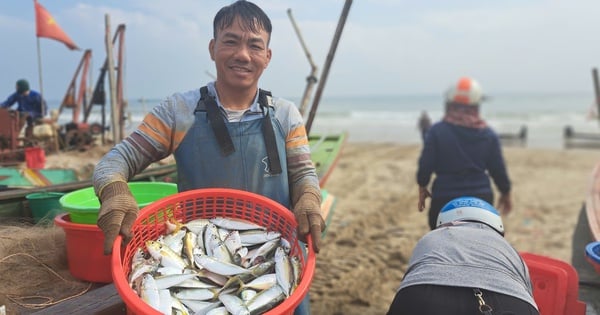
[{"x": 393, "y": 119}]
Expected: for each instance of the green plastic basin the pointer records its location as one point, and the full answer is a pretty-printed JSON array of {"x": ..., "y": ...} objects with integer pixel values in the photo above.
[{"x": 83, "y": 205}]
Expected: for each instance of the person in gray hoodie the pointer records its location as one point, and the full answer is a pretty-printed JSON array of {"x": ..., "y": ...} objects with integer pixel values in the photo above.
[{"x": 465, "y": 266}]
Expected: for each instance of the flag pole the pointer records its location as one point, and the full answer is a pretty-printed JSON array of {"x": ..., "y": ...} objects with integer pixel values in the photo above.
[{"x": 40, "y": 68}]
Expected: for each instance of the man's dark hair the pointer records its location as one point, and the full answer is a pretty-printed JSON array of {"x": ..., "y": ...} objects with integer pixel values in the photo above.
[{"x": 251, "y": 16}]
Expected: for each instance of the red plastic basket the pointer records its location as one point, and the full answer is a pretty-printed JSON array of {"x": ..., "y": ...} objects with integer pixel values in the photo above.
[{"x": 210, "y": 203}]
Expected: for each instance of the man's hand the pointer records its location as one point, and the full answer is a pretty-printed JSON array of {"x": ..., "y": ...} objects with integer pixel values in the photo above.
[
  {"x": 308, "y": 214},
  {"x": 118, "y": 211},
  {"x": 504, "y": 203},
  {"x": 423, "y": 194}
]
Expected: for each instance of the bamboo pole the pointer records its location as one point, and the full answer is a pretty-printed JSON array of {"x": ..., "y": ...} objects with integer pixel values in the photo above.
[
  {"x": 311, "y": 80},
  {"x": 330, "y": 55}
]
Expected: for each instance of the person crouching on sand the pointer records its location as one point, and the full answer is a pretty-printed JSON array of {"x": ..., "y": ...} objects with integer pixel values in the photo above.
[{"x": 465, "y": 267}]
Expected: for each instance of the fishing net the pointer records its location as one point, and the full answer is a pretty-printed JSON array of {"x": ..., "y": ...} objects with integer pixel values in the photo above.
[{"x": 34, "y": 268}]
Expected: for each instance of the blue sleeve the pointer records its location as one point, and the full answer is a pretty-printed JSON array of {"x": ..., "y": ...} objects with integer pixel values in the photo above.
[
  {"x": 9, "y": 101},
  {"x": 497, "y": 167},
  {"x": 427, "y": 159}
]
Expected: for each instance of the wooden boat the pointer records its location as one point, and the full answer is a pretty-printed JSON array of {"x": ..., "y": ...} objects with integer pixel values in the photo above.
[
  {"x": 13, "y": 202},
  {"x": 325, "y": 152}
]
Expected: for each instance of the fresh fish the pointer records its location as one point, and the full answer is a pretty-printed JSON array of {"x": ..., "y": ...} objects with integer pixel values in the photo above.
[
  {"x": 296, "y": 271},
  {"x": 196, "y": 226},
  {"x": 142, "y": 268},
  {"x": 234, "y": 304},
  {"x": 200, "y": 307},
  {"x": 218, "y": 249},
  {"x": 247, "y": 295},
  {"x": 149, "y": 292},
  {"x": 252, "y": 273},
  {"x": 266, "y": 300},
  {"x": 210, "y": 276},
  {"x": 178, "y": 308},
  {"x": 222, "y": 310},
  {"x": 166, "y": 302},
  {"x": 165, "y": 255},
  {"x": 166, "y": 282},
  {"x": 235, "y": 224},
  {"x": 283, "y": 270},
  {"x": 211, "y": 238},
  {"x": 219, "y": 267},
  {"x": 255, "y": 237},
  {"x": 189, "y": 243},
  {"x": 173, "y": 240},
  {"x": 232, "y": 241},
  {"x": 195, "y": 294},
  {"x": 165, "y": 271},
  {"x": 261, "y": 283},
  {"x": 263, "y": 252},
  {"x": 196, "y": 283}
]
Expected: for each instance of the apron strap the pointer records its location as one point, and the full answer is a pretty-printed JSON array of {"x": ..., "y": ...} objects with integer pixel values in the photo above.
[
  {"x": 269, "y": 134},
  {"x": 207, "y": 103},
  {"x": 216, "y": 121}
]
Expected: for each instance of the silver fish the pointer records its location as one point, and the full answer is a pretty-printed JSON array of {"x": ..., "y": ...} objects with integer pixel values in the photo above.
[
  {"x": 166, "y": 302},
  {"x": 255, "y": 237},
  {"x": 166, "y": 282},
  {"x": 195, "y": 294},
  {"x": 200, "y": 307},
  {"x": 149, "y": 292},
  {"x": 222, "y": 310},
  {"x": 165, "y": 255},
  {"x": 189, "y": 243},
  {"x": 266, "y": 300},
  {"x": 219, "y": 267},
  {"x": 236, "y": 224},
  {"x": 263, "y": 252},
  {"x": 261, "y": 283},
  {"x": 283, "y": 270},
  {"x": 234, "y": 304}
]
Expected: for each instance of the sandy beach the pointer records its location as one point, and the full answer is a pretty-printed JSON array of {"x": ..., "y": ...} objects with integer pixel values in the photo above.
[{"x": 369, "y": 241}]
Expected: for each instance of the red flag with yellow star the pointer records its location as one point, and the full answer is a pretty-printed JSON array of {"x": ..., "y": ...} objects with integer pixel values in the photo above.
[{"x": 47, "y": 27}]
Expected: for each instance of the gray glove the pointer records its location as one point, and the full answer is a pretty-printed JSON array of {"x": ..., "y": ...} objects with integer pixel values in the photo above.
[
  {"x": 118, "y": 211},
  {"x": 307, "y": 211}
]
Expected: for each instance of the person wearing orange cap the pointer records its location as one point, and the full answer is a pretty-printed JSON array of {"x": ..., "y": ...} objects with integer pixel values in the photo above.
[{"x": 464, "y": 153}]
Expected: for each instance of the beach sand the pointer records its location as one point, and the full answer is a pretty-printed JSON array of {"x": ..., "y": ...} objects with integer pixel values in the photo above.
[
  {"x": 376, "y": 222},
  {"x": 374, "y": 227}
]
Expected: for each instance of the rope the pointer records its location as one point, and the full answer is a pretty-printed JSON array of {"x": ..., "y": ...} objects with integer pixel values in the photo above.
[{"x": 22, "y": 300}]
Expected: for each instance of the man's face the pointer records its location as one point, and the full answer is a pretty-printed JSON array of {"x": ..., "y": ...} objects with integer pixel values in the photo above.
[{"x": 240, "y": 56}]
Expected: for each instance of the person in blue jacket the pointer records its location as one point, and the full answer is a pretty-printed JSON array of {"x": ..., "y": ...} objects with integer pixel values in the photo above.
[
  {"x": 29, "y": 102},
  {"x": 464, "y": 153},
  {"x": 465, "y": 267}
]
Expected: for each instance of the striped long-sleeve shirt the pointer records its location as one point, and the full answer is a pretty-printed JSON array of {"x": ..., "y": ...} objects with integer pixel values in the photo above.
[{"x": 164, "y": 128}]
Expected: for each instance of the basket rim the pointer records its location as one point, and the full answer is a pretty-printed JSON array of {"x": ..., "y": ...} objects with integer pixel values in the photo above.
[{"x": 134, "y": 302}]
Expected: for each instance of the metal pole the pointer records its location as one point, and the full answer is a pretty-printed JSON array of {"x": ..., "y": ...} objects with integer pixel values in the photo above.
[
  {"x": 111, "y": 82},
  {"x": 40, "y": 72},
  {"x": 336, "y": 39},
  {"x": 597, "y": 91}
]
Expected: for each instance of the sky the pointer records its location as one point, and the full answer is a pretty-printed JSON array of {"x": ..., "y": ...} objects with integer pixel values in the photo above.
[{"x": 387, "y": 47}]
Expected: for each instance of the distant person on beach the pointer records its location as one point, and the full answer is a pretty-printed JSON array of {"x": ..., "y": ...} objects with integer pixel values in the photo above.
[
  {"x": 227, "y": 134},
  {"x": 424, "y": 124},
  {"x": 464, "y": 153},
  {"x": 465, "y": 267},
  {"x": 29, "y": 103}
]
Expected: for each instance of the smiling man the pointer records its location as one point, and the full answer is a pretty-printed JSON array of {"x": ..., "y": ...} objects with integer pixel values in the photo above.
[{"x": 227, "y": 134}]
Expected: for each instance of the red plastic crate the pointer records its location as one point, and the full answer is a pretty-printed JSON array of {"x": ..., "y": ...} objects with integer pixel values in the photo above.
[
  {"x": 210, "y": 203},
  {"x": 555, "y": 285}
]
